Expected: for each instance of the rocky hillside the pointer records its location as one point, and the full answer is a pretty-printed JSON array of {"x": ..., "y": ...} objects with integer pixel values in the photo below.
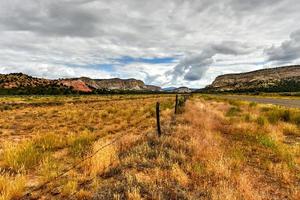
[
  {"x": 108, "y": 84},
  {"x": 280, "y": 79},
  {"x": 23, "y": 84},
  {"x": 88, "y": 85},
  {"x": 19, "y": 80}
]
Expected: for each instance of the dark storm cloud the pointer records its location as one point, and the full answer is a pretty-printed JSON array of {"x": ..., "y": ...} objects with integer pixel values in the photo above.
[{"x": 288, "y": 51}]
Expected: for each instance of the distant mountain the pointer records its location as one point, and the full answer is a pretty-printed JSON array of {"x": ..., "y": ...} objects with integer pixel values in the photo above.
[
  {"x": 88, "y": 85},
  {"x": 280, "y": 79},
  {"x": 169, "y": 89},
  {"x": 182, "y": 90},
  {"x": 178, "y": 90},
  {"x": 18, "y": 83}
]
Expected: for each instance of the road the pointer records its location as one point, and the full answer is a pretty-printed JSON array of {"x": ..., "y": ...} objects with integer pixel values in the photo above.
[{"x": 292, "y": 103}]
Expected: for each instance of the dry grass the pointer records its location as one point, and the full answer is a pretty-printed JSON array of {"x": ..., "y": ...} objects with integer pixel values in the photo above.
[
  {"x": 102, "y": 161},
  {"x": 42, "y": 136},
  {"x": 214, "y": 149},
  {"x": 20, "y": 157},
  {"x": 11, "y": 187}
]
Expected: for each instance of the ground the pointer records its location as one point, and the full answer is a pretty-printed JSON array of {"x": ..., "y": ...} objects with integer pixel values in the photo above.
[{"x": 106, "y": 147}]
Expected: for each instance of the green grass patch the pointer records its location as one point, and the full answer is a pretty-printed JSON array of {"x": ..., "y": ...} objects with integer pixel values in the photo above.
[
  {"x": 277, "y": 114},
  {"x": 267, "y": 141},
  {"x": 261, "y": 121},
  {"x": 233, "y": 111}
]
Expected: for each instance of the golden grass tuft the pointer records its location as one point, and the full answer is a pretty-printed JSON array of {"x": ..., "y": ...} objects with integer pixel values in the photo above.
[
  {"x": 179, "y": 175},
  {"x": 69, "y": 188},
  {"x": 291, "y": 129},
  {"x": 80, "y": 145},
  {"x": 21, "y": 156},
  {"x": 102, "y": 161},
  {"x": 11, "y": 187},
  {"x": 133, "y": 194}
]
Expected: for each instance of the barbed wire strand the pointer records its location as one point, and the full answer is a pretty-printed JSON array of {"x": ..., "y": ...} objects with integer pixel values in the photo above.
[{"x": 74, "y": 166}]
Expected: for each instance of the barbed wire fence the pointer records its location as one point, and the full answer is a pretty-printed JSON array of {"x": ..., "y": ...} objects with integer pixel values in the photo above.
[{"x": 179, "y": 104}]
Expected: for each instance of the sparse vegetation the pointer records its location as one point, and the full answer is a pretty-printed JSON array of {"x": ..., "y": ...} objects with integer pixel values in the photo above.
[{"x": 213, "y": 149}]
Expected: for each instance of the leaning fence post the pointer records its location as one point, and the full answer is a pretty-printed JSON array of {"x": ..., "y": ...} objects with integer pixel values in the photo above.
[
  {"x": 158, "y": 119},
  {"x": 176, "y": 104}
]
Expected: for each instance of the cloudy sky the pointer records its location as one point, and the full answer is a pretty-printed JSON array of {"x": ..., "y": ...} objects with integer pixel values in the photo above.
[{"x": 166, "y": 43}]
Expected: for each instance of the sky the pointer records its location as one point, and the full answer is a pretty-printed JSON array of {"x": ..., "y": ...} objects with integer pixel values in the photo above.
[{"x": 165, "y": 43}]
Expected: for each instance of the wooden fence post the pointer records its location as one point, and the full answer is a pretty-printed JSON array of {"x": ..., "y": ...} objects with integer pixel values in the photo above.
[
  {"x": 176, "y": 104},
  {"x": 158, "y": 119}
]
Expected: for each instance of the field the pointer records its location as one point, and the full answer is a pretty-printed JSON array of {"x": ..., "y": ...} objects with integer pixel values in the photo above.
[{"x": 106, "y": 147}]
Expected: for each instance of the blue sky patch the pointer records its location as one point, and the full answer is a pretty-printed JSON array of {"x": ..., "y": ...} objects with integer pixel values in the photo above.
[
  {"x": 104, "y": 67},
  {"x": 128, "y": 60}
]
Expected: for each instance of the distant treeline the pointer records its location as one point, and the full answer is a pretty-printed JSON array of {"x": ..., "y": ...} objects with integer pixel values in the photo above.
[
  {"x": 56, "y": 90},
  {"x": 36, "y": 91}
]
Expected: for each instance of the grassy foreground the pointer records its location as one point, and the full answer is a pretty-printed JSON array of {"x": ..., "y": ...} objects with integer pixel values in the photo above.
[{"x": 214, "y": 149}]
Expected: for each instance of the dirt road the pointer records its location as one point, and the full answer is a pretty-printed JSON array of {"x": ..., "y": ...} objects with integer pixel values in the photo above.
[{"x": 292, "y": 103}]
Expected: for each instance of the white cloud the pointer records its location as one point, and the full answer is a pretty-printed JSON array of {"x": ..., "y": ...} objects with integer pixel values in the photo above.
[{"x": 63, "y": 38}]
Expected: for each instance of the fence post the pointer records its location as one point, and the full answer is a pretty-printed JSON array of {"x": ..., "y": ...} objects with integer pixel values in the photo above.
[
  {"x": 176, "y": 104},
  {"x": 158, "y": 119}
]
